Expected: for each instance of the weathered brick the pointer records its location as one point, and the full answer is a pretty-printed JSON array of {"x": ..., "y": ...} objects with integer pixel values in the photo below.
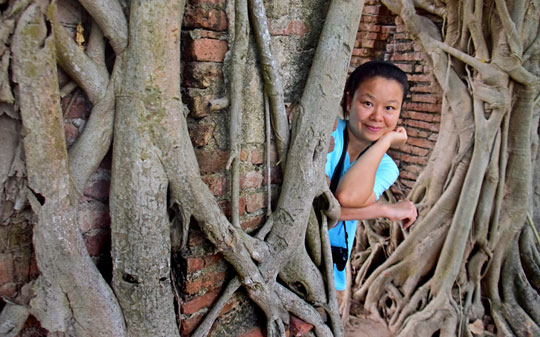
[
  {"x": 422, "y": 125},
  {"x": 194, "y": 264},
  {"x": 201, "y": 134},
  {"x": 425, "y": 78},
  {"x": 252, "y": 224},
  {"x": 434, "y": 99},
  {"x": 93, "y": 215},
  {"x": 206, "y": 281},
  {"x": 298, "y": 327},
  {"x": 71, "y": 133},
  {"x": 199, "y": 302},
  {"x": 257, "y": 156},
  {"x": 207, "y": 50},
  {"x": 76, "y": 106},
  {"x": 97, "y": 242},
  {"x": 419, "y": 116},
  {"x": 427, "y": 107},
  {"x": 211, "y": 161},
  {"x": 217, "y": 184},
  {"x": 367, "y": 27},
  {"x": 210, "y": 3},
  {"x": 208, "y": 18},
  {"x": 411, "y": 149},
  {"x": 407, "y": 158},
  {"x": 98, "y": 185},
  {"x": 408, "y": 56},
  {"x": 202, "y": 74},
  {"x": 190, "y": 323},
  {"x": 251, "y": 179},
  {"x": 421, "y": 142},
  {"x": 255, "y": 202},
  {"x": 198, "y": 105}
]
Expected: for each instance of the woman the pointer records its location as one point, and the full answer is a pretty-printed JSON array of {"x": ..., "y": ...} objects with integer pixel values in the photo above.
[{"x": 372, "y": 102}]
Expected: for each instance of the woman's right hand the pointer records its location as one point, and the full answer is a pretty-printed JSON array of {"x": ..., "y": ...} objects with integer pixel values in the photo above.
[
  {"x": 403, "y": 211},
  {"x": 397, "y": 137}
]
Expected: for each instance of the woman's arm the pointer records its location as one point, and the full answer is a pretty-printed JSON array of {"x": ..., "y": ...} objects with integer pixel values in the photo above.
[
  {"x": 404, "y": 211},
  {"x": 355, "y": 189}
]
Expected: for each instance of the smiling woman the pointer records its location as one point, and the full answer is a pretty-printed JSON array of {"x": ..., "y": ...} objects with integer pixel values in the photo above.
[{"x": 359, "y": 167}]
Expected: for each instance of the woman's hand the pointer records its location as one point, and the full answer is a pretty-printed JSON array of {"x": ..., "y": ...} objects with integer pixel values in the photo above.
[
  {"x": 403, "y": 211},
  {"x": 396, "y": 138}
]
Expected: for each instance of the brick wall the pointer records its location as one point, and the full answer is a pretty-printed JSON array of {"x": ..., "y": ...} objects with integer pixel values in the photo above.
[{"x": 201, "y": 271}]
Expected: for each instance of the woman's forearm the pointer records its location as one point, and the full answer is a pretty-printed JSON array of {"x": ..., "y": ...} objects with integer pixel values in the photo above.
[{"x": 356, "y": 186}]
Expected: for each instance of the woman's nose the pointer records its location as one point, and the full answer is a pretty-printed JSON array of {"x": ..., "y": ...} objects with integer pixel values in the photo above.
[{"x": 377, "y": 114}]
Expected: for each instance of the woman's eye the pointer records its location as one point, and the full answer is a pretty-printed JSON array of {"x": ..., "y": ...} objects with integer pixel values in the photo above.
[
  {"x": 390, "y": 108},
  {"x": 368, "y": 104}
]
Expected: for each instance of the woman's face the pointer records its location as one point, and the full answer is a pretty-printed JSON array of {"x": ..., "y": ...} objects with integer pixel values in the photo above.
[{"x": 374, "y": 108}]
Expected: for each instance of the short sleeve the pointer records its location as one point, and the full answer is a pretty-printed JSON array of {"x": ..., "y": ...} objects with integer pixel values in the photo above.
[{"x": 387, "y": 174}]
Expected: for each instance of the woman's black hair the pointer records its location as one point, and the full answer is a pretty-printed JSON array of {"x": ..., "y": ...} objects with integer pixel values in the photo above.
[{"x": 372, "y": 69}]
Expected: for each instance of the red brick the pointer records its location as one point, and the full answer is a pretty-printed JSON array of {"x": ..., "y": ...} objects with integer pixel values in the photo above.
[
  {"x": 299, "y": 327},
  {"x": 201, "y": 134},
  {"x": 422, "y": 125},
  {"x": 211, "y": 161},
  {"x": 231, "y": 304},
  {"x": 197, "y": 303},
  {"x": 207, "y": 50},
  {"x": 199, "y": 17},
  {"x": 195, "y": 238},
  {"x": 209, "y": 3},
  {"x": 76, "y": 106},
  {"x": 251, "y": 179},
  {"x": 406, "y": 158},
  {"x": 98, "y": 185},
  {"x": 255, "y": 202},
  {"x": 93, "y": 215},
  {"x": 412, "y": 132},
  {"x": 408, "y": 56},
  {"x": 367, "y": 27},
  {"x": 202, "y": 74},
  {"x": 252, "y": 224},
  {"x": 434, "y": 99},
  {"x": 427, "y": 107},
  {"x": 195, "y": 264},
  {"x": 189, "y": 324},
  {"x": 420, "y": 142},
  {"x": 206, "y": 281},
  {"x": 366, "y": 36},
  {"x": 414, "y": 150},
  {"x": 421, "y": 78},
  {"x": 8, "y": 289},
  {"x": 217, "y": 184},
  {"x": 71, "y": 132},
  {"x": 198, "y": 105},
  {"x": 97, "y": 242},
  {"x": 257, "y": 157},
  {"x": 420, "y": 116},
  {"x": 400, "y": 47},
  {"x": 371, "y": 9},
  {"x": 407, "y": 175}
]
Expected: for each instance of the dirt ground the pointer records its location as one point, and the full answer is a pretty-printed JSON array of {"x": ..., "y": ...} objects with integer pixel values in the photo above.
[{"x": 363, "y": 327}]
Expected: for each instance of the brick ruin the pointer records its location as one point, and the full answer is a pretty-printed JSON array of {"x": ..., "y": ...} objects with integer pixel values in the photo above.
[{"x": 203, "y": 272}]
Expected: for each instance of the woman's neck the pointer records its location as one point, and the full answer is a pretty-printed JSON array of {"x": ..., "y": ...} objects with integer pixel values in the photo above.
[{"x": 355, "y": 146}]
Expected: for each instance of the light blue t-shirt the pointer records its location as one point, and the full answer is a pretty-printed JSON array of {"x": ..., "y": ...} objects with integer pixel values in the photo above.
[{"x": 386, "y": 175}]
